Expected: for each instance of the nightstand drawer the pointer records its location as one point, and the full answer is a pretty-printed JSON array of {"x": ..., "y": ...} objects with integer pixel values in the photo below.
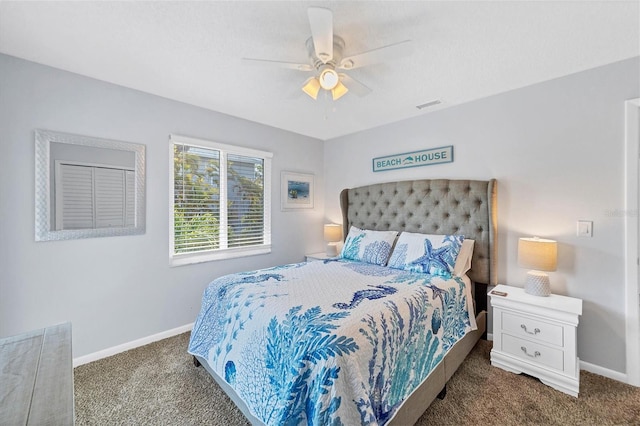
[
  {"x": 530, "y": 328},
  {"x": 533, "y": 352}
]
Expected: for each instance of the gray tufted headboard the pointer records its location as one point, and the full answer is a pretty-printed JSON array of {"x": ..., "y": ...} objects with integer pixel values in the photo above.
[{"x": 431, "y": 206}]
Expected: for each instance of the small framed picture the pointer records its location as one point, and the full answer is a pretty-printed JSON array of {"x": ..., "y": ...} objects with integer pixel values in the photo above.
[{"x": 296, "y": 191}]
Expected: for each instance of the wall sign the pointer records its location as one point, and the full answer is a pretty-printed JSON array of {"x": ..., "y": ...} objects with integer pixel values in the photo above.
[{"x": 425, "y": 157}]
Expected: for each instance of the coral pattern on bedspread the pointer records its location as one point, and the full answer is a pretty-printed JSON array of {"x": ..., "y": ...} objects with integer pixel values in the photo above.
[{"x": 328, "y": 343}]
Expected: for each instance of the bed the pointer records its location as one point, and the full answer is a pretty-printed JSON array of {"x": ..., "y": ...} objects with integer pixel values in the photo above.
[{"x": 372, "y": 337}]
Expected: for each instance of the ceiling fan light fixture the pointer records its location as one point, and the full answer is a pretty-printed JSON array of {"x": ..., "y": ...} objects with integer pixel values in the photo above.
[
  {"x": 311, "y": 87},
  {"x": 339, "y": 91},
  {"x": 328, "y": 78}
]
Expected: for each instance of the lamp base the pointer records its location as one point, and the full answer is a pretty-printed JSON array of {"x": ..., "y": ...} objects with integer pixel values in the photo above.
[
  {"x": 332, "y": 250},
  {"x": 537, "y": 284}
]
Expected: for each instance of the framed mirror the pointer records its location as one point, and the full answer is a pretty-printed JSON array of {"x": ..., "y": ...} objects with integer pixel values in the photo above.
[{"x": 88, "y": 187}]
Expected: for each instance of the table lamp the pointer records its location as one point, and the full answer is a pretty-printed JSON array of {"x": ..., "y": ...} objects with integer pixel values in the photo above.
[
  {"x": 538, "y": 255},
  {"x": 332, "y": 235}
]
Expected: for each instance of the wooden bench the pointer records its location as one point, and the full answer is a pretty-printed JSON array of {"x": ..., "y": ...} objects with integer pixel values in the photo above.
[{"x": 36, "y": 378}]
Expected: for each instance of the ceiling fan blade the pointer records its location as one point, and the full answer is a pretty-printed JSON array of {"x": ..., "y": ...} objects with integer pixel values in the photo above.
[
  {"x": 281, "y": 64},
  {"x": 321, "y": 22},
  {"x": 381, "y": 54},
  {"x": 354, "y": 85}
]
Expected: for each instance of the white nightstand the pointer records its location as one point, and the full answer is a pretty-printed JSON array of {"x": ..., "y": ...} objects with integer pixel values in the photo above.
[
  {"x": 537, "y": 336},
  {"x": 317, "y": 256}
]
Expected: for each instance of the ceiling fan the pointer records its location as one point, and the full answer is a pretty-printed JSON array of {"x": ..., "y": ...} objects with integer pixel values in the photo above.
[{"x": 327, "y": 62}]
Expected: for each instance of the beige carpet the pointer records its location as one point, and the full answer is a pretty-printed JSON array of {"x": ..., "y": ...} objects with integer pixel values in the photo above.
[{"x": 158, "y": 385}]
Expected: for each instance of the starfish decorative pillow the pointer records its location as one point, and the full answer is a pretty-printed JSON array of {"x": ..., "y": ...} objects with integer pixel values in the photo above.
[{"x": 425, "y": 253}]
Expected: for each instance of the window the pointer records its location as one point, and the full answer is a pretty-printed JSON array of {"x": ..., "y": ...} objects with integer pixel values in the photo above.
[{"x": 220, "y": 201}]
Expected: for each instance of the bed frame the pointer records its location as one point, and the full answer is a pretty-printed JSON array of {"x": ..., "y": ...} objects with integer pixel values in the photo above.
[{"x": 438, "y": 206}]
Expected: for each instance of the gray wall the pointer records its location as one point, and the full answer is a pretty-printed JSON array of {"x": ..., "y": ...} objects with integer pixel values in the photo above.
[
  {"x": 557, "y": 150},
  {"x": 119, "y": 289}
]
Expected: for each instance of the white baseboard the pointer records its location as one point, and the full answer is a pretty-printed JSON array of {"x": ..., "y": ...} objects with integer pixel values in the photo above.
[
  {"x": 130, "y": 345},
  {"x": 596, "y": 369}
]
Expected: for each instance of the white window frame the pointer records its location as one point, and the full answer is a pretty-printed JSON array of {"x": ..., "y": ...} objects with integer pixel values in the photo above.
[{"x": 223, "y": 252}]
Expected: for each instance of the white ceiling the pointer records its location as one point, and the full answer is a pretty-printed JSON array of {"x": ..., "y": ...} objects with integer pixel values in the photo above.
[{"x": 192, "y": 51}]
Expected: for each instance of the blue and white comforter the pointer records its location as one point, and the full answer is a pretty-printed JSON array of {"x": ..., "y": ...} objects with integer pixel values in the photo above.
[{"x": 328, "y": 343}]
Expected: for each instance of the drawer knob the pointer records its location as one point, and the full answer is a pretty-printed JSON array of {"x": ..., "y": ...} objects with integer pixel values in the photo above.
[
  {"x": 535, "y": 330},
  {"x": 535, "y": 354}
]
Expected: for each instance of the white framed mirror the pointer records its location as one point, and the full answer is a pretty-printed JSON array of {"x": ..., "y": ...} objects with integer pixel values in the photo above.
[{"x": 87, "y": 187}]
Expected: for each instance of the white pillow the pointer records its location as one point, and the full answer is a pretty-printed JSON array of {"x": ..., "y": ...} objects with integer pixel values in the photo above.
[
  {"x": 463, "y": 262},
  {"x": 426, "y": 253},
  {"x": 368, "y": 246}
]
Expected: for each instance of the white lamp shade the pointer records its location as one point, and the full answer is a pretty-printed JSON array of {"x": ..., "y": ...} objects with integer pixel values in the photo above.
[
  {"x": 537, "y": 254},
  {"x": 332, "y": 233}
]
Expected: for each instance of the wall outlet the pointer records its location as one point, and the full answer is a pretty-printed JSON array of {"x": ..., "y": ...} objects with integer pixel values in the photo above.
[{"x": 584, "y": 228}]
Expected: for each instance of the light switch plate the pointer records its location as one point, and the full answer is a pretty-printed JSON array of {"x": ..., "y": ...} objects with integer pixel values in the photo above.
[{"x": 584, "y": 228}]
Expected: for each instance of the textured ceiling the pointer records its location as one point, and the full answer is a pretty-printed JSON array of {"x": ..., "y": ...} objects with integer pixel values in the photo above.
[{"x": 192, "y": 51}]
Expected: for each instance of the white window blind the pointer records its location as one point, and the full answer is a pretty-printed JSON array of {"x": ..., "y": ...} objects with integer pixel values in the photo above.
[
  {"x": 245, "y": 200},
  {"x": 93, "y": 196},
  {"x": 220, "y": 201},
  {"x": 109, "y": 197},
  {"x": 130, "y": 198},
  {"x": 75, "y": 189}
]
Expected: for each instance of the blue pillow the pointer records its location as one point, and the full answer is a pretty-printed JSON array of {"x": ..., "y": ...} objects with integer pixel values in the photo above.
[
  {"x": 368, "y": 246},
  {"x": 429, "y": 254}
]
